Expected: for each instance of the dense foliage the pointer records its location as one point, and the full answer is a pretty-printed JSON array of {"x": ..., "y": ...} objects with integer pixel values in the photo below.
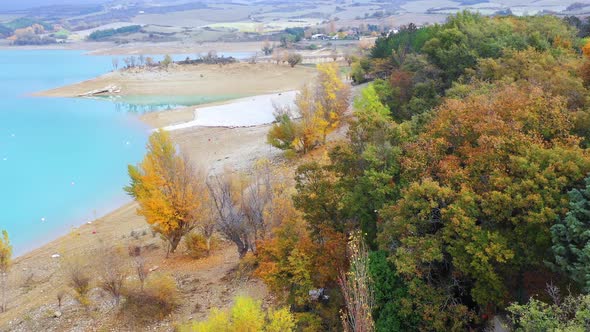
[
  {"x": 456, "y": 168},
  {"x": 108, "y": 33}
]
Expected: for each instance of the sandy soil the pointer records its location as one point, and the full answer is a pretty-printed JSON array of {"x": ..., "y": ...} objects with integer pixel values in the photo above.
[{"x": 238, "y": 79}]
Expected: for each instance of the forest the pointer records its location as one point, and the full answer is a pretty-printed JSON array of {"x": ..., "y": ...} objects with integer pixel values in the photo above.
[{"x": 464, "y": 172}]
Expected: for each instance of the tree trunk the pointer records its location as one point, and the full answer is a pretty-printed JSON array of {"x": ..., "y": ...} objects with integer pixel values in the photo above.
[
  {"x": 208, "y": 245},
  {"x": 174, "y": 242}
]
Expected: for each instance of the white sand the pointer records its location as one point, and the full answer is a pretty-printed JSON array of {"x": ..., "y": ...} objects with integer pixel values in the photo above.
[{"x": 245, "y": 112}]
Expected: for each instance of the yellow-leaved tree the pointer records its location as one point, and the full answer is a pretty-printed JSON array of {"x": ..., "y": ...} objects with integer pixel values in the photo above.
[
  {"x": 5, "y": 261},
  {"x": 319, "y": 110},
  {"x": 168, "y": 189},
  {"x": 332, "y": 96}
]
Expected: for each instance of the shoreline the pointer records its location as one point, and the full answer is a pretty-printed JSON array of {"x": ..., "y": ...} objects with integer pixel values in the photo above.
[
  {"x": 137, "y": 48},
  {"x": 214, "y": 147}
]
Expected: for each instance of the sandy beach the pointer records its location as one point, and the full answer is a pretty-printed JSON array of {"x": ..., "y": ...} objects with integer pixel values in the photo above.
[
  {"x": 237, "y": 79},
  {"x": 244, "y": 112}
]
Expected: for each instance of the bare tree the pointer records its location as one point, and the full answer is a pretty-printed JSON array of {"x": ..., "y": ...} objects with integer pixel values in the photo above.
[
  {"x": 141, "y": 60},
  {"x": 139, "y": 265},
  {"x": 256, "y": 198},
  {"x": 334, "y": 54},
  {"x": 230, "y": 217},
  {"x": 112, "y": 272},
  {"x": 79, "y": 278},
  {"x": 208, "y": 221},
  {"x": 356, "y": 289}
]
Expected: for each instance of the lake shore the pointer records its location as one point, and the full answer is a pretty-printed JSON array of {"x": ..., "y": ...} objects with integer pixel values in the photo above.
[
  {"x": 236, "y": 79},
  {"x": 137, "y": 48},
  {"x": 211, "y": 148}
]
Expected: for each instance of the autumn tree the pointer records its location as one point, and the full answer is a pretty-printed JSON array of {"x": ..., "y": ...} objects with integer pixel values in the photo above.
[
  {"x": 319, "y": 110},
  {"x": 356, "y": 285},
  {"x": 168, "y": 189},
  {"x": 474, "y": 193},
  {"x": 5, "y": 262}
]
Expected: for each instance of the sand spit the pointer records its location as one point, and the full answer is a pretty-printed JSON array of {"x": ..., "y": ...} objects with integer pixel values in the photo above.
[{"x": 245, "y": 112}]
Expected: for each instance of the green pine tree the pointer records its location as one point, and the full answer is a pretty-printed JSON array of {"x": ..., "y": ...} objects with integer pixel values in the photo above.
[{"x": 571, "y": 238}]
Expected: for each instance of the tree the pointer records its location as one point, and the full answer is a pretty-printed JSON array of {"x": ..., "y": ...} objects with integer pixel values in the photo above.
[
  {"x": 294, "y": 59},
  {"x": 167, "y": 61},
  {"x": 300, "y": 133},
  {"x": 267, "y": 49},
  {"x": 230, "y": 217},
  {"x": 569, "y": 315},
  {"x": 168, "y": 189},
  {"x": 320, "y": 108},
  {"x": 333, "y": 96},
  {"x": 474, "y": 191},
  {"x": 112, "y": 272},
  {"x": 5, "y": 262},
  {"x": 356, "y": 285},
  {"x": 571, "y": 244}
]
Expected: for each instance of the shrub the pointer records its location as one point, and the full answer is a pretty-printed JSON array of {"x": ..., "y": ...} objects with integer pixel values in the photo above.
[
  {"x": 112, "y": 273},
  {"x": 157, "y": 300},
  {"x": 196, "y": 245},
  {"x": 79, "y": 280},
  {"x": 294, "y": 59},
  {"x": 246, "y": 315}
]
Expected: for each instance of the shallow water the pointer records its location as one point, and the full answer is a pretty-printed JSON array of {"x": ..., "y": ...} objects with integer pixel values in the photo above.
[{"x": 63, "y": 161}]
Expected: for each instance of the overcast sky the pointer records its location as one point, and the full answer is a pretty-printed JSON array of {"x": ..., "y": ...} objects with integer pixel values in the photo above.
[{"x": 22, "y": 4}]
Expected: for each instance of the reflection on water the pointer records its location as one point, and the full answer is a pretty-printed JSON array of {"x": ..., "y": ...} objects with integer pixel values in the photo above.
[{"x": 147, "y": 104}]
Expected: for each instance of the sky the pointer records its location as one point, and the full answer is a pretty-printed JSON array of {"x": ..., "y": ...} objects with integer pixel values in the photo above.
[{"x": 23, "y": 4}]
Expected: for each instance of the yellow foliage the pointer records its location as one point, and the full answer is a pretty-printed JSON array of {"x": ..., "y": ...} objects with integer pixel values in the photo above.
[
  {"x": 168, "y": 190},
  {"x": 586, "y": 49},
  {"x": 246, "y": 315}
]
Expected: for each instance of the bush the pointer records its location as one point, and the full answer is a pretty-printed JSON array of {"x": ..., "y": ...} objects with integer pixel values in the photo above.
[
  {"x": 79, "y": 280},
  {"x": 158, "y": 299},
  {"x": 294, "y": 59},
  {"x": 197, "y": 247},
  {"x": 246, "y": 315}
]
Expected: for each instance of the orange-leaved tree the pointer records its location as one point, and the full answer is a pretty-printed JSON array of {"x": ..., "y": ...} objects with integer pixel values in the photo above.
[{"x": 168, "y": 189}]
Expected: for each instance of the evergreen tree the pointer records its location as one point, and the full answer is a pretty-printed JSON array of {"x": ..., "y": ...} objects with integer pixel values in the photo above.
[{"x": 571, "y": 238}]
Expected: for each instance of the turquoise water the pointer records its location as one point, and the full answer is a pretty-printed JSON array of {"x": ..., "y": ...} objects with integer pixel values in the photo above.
[
  {"x": 63, "y": 162},
  {"x": 145, "y": 104}
]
